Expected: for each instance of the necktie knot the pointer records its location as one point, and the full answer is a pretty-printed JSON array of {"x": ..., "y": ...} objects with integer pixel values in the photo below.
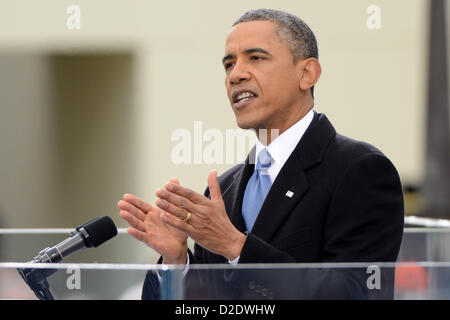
[{"x": 264, "y": 160}]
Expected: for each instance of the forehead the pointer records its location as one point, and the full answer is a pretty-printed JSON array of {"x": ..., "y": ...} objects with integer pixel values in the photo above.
[{"x": 252, "y": 34}]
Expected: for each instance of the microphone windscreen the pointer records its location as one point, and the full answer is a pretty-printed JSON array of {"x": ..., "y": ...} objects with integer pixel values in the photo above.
[{"x": 100, "y": 230}]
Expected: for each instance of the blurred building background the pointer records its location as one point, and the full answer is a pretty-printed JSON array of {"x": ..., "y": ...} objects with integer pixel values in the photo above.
[{"x": 87, "y": 114}]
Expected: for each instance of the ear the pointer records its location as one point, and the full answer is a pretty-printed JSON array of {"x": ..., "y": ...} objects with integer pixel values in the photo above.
[{"x": 310, "y": 73}]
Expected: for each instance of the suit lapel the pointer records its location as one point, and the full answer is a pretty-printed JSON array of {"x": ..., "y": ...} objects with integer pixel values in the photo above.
[
  {"x": 291, "y": 183},
  {"x": 278, "y": 205}
]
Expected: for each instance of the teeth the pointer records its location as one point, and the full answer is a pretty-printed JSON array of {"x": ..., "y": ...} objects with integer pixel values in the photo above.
[{"x": 244, "y": 95}]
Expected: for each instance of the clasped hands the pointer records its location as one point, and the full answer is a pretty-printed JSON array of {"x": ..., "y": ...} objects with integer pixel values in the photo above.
[{"x": 181, "y": 212}]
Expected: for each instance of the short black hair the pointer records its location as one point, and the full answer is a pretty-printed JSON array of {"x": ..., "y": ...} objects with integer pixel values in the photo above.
[{"x": 292, "y": 30}]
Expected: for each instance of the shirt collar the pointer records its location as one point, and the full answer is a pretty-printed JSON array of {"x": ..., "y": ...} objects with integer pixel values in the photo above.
[{"x": 281, "y": 148}]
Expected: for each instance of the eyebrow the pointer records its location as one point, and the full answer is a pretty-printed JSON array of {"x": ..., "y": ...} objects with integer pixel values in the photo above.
[{"x": 246, "y": 51}]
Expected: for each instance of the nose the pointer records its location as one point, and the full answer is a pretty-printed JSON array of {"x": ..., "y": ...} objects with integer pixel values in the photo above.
[{"x": 239, "y": 73}]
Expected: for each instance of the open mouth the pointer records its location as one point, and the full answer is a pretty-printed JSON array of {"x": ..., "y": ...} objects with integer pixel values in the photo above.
[{"x": 242, "y": 98}]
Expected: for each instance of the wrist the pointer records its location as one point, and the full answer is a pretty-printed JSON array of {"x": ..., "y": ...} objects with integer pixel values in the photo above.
[
  {"x": 236, "y": 245},
  {"x": 180, "y": 259}
]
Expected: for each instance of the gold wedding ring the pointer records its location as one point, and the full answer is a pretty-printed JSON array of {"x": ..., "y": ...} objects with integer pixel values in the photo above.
[{"x": 187, "y": 217}]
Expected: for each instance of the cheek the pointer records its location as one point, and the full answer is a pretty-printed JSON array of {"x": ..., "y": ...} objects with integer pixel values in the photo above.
[
  {"x": 274, "y": 93},
  {"x": 276, "y": 83},
  {"x": 283, "y": 87},
  {"x": 228, "y": 88}
]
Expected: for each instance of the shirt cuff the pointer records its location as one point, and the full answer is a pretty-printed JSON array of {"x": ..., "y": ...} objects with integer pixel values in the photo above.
[
  {"x": 235, "y": 261},
  {"x": 185, "y": 271}
]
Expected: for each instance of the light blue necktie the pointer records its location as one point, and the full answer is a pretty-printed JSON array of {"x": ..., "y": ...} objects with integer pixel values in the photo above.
[{"x": 258, "y": 187}]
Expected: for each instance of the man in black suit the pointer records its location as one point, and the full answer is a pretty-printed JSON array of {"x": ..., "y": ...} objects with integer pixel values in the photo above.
[{"x": 304, "y": 193}]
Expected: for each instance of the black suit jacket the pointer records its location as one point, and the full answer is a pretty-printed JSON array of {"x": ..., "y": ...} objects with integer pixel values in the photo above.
[{"x": 347, "y": 206}]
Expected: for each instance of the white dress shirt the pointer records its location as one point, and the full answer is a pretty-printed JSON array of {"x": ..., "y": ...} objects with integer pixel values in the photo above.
[{"x": 280, "y": 149}]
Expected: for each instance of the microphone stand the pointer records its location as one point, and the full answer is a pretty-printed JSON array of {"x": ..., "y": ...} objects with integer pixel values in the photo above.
[{"x": 36, "y": 279}]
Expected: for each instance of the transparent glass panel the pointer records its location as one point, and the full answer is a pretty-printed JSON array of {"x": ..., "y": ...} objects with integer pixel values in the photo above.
[
  {"x": 421, "y": 280},
  {"x": 422, "y": 272},
  {"x": 425, "y": 244}
]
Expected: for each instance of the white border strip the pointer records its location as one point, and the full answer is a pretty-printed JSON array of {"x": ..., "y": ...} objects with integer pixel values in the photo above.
[
  {"x": 427, "y": 222},
  {"x": 256, "y": 266}
]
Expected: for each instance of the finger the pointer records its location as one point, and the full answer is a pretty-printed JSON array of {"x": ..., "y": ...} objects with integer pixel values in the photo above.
[
  {"x": 176, "y": 200},
  {"x": 132, "y": 220},
  {"x": 139, "y": 235},
  {"x": 214, "y": 186},
  {"x": 125, "y": 205},
  {"x": 175, "y": 222},
  {"x": 178, "y": 212},
  {"x": 137, "y": 202},
  {"x": 175, "y": 180},
  {"x": 187, "y": 193}
]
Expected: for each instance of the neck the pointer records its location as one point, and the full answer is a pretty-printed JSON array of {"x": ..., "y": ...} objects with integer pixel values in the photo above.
[{"x": 270, "y": 133}]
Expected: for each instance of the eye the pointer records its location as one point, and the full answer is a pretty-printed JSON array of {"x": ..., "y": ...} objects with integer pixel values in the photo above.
[
  {"x": 228, "y": 65},
  {"x": 256, "y": 58}
]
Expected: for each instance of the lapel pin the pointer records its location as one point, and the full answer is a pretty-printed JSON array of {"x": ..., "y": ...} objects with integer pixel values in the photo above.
[{"x": 289, "y": 194}]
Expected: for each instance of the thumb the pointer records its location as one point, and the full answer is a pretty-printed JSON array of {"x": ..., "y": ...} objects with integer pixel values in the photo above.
[{"x": 214, "y": 187}]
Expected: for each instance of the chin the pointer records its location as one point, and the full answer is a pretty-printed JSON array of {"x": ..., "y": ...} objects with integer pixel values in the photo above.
[
  {"x": 244, "y": 126},
  {"x": 245, "y": 123},
  {"x": 250, "y": 120}
]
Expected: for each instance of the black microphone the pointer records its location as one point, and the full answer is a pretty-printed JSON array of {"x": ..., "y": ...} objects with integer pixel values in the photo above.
[{"x": 88, "y": 235}]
